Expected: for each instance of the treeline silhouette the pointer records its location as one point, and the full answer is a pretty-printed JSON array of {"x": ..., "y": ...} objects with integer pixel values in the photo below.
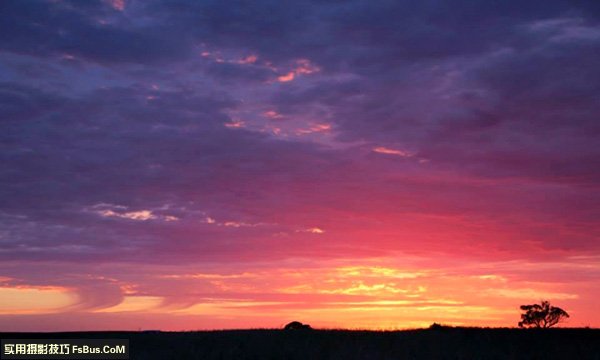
[
  {"x": 298, "y": 341},
  {"x": 440, "y": 342}
]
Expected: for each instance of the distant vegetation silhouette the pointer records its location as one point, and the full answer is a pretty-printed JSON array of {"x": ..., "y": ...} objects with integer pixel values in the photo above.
[
  {"x": 436, "y": 326},
  {"x": 541, "y": 315},
  {"x": 447, "y": 342},
  {"x": 297, "y": 325}
]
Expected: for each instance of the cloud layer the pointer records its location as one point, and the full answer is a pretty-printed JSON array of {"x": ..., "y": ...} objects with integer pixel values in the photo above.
[{"x": 145, "y": 143}]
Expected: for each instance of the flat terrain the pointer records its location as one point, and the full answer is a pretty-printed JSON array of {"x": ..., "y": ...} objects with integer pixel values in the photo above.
[{"x": 444, "y": 343}]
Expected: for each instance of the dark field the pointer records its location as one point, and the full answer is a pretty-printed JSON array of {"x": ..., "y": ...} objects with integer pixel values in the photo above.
[{"x": 445, "y": 343}]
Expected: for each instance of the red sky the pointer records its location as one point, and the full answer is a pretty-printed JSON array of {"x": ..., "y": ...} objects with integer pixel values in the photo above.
[{"x": 348, "y": 165}]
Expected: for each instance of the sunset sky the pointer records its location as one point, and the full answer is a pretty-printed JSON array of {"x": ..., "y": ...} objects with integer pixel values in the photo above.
[{"x": 185, "y": 164}]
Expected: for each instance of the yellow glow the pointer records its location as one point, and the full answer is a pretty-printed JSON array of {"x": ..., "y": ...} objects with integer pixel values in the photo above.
[
  {"x": 377, "y": 271},
  {"x": 34, "y": 300},
  {"x": 244, "y": 275},
  {"x": 363, "y": 289},
  {"x": 227, "y": 308},
  {"x": 492, "y": 277},
  {"x": 527, "y": 294}
]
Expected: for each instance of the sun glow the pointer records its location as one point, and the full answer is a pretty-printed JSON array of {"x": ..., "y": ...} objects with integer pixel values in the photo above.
[{"x": 35, "y": 299}]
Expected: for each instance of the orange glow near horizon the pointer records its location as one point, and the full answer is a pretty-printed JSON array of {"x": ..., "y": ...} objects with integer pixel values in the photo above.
[
  {"x": 31, "y": 300},
  {"x": 366, "y": 296}
]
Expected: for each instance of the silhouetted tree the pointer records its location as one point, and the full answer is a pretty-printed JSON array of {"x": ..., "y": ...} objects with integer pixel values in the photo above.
[{"x": 541, "y": 315}]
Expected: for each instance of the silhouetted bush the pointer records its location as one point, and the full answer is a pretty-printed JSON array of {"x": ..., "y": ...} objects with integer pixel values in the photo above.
[
  {"x": 297, "y": 325},
  {"x": 436, "y": 326}
]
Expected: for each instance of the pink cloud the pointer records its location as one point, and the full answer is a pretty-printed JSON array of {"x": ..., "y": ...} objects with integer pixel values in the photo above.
[
  {"x": 388, "y": 151},
  {"x": 287, "y": 77},
  {"x": 117, "y": 4},
  {"x": 236, "y": 124},
  {"x": 317, "y": 128},
  {"x": 250, "y": 59},
  {"x": 301, "y": 67},
  {"x": 272, "y": 114}
]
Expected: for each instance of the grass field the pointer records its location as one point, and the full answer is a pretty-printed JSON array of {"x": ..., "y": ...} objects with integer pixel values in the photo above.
[{"x": 443, "y": 343}]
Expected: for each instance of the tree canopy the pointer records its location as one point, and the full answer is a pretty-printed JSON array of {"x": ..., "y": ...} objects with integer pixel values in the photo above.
[{"x": 541, "y": 315}]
